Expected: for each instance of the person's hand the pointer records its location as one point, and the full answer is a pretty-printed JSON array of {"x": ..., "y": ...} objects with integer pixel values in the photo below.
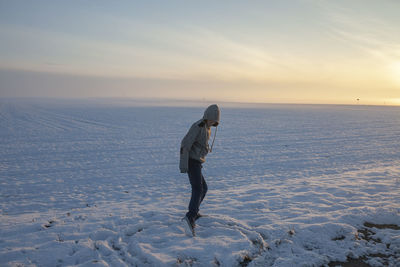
[{"x": 183, "y": 170}]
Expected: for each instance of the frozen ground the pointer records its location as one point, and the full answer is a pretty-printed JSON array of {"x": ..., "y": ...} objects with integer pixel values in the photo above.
[{"x": 91, "y": 184}]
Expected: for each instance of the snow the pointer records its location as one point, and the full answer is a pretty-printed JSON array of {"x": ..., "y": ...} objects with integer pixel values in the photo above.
[{"x": 96, "y": 183}]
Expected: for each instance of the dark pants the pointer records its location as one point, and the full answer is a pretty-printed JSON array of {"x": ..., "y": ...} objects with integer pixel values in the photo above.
[{"x": 199, "y": 187}]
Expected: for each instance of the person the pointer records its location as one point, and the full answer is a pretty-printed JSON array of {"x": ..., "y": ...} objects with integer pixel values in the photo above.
[{"x": 193, "y": 152}]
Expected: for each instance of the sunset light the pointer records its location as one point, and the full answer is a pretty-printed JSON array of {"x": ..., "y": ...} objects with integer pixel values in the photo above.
[
  {"x": 395, "y": 68},
  {"x": 271, "y": 52},
  {"x": 199, "y": 133}
]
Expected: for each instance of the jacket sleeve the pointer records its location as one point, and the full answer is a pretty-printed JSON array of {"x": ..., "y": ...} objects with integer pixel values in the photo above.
[{"x": 186, "y": 145}]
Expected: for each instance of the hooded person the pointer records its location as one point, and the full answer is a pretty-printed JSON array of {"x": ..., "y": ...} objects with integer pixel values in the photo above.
[{"x": 193, "y": 152}]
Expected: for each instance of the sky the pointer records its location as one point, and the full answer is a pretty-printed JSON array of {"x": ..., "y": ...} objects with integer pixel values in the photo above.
[{"x": 300, "y": 51}]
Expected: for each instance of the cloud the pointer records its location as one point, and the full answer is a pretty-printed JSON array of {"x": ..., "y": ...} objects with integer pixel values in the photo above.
[
  {"x": 147, "y": 51},
  {"x": 375, "y": 33},
  {"x": 345, "y": 54}
]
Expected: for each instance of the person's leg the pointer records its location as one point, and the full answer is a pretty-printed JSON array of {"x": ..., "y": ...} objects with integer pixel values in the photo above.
[
  {"x": 205, "y": 188},
  {"x": 195, "y": 177},
  {"x": 204, "y": 192}
]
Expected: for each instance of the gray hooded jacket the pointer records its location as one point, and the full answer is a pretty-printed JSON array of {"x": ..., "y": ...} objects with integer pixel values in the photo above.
[{"x": 195, "y": 143}]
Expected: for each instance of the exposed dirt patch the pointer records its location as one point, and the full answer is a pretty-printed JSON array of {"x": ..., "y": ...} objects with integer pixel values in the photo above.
[
  {"x": 382, "y": 226},
  {"x": 366, "y": 233},
  {"x": 350, "y": 263},
  {"x": 245, "y": 261}
]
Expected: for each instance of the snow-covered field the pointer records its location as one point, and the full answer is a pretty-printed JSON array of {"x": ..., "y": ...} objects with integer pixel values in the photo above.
[{"x": 94, "y": 184}]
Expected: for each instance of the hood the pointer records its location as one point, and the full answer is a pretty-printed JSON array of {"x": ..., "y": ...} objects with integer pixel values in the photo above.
[{"x": 212, "y": 113}]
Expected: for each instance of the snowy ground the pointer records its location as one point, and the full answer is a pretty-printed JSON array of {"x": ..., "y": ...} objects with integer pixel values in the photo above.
[{"x": 92, "y": 184}]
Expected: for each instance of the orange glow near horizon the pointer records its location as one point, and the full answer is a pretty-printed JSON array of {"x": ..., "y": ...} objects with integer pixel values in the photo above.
[{"x": 273, "y": 52}]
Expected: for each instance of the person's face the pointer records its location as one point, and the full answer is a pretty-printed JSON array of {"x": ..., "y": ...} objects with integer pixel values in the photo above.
[{"x": 210, "y": 123}]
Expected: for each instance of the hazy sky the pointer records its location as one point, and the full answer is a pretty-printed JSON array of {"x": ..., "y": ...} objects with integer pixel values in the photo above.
[{"x": 305, "y": 51}]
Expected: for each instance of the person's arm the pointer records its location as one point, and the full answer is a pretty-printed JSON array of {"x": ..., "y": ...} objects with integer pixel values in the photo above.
[{"x": 186, "y": 145}]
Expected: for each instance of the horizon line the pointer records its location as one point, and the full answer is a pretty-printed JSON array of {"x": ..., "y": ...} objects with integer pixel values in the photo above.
[{"x": 159, "y": 100}]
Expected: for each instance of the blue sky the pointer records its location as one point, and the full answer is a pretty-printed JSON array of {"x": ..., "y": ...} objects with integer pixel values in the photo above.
[{"x": 248, "y": 51}]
